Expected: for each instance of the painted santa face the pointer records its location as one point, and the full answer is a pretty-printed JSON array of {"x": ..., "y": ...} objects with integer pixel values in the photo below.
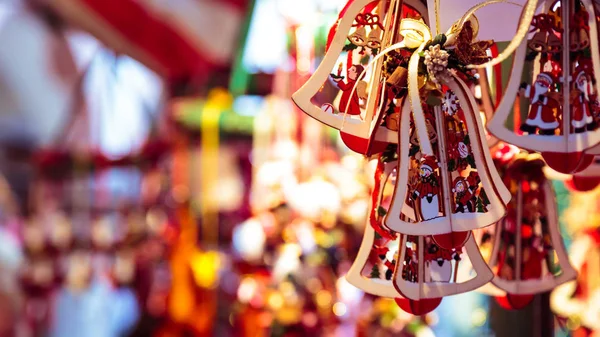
[
  {"x": 352, "y": 73},
  {"x": 463, "y": 150},
  {"x": 582, "y": 83},
  {"x": 541, "y": 87},
  {"x": 425, "y": 171}
]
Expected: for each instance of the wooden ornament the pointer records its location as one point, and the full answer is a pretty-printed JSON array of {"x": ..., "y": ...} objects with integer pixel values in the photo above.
[
  {"x": 373, "y": 268},
  {"x": 426, "y": 271},
  {"x": 528, "y": 255},
  {"x": 558, "y": 95},
  {"x": 366, "y": 106},
  {"x": 458, "y": 192}
]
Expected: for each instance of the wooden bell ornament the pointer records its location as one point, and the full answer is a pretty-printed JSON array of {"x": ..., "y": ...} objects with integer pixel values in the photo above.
[
  {"x": 528, "y": 255},
  {"x": 552, "y": 80},
  {"x": 428, "y": 271},
  {"x": 375, "y": 262},
  {"x": 459, "y": 192},
  {"x": 374, "y": 267},
  {"x": 364, "y": 96},
  {"x": 579, "y": 300}
]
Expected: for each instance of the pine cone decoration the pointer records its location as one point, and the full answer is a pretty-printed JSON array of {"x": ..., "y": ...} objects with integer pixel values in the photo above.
[{"x": 436, "y": 61}]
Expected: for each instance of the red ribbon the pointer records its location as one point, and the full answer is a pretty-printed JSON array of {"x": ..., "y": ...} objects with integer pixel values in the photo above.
[
  {"x": 367, "y": 19},
  {"x": 544, "y": 23}
]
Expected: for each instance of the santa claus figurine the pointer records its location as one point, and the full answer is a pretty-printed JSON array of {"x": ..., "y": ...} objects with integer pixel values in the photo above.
[
  {"x": 544, "y": 110},
  {"x": 427, "y": 189},
  {"x": 463, "y": 198},
  {"x": 581, "y": 118},
  {"x": 351, "y": 91}
]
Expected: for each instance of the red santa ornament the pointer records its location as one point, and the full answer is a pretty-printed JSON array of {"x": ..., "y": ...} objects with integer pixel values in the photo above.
[
  {"x": 463, "y": 197},
  {"x": 350, "y": 100},
  {"x": 544, "y": 110},
  {"x": 581, "y": 102},
  {"x": 560, "y": 122},
  {"x": 424, "y": 192}
]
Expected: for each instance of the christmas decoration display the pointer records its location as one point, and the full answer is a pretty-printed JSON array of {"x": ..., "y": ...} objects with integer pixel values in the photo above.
[
  {"x": 410, "y": 88},
  {"x": 458, "y": 193},
  {"x": 246, "y": 215},
  {"x": 528, "y": 256},
  {"x": 552, "y": 80}
]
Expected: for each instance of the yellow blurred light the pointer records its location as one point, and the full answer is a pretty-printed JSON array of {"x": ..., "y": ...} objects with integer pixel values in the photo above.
[
  {"x": 573, "y": 323},
  {"x": 205, "y": 268},
  {"x": 323, "y": 298},
  {"x": 382, "y": 304},
  {"x": 340, "y": 309},
  {"x": 275, "y": 301},
  {"x": 478, "y": 317},
  {"x": 287, "y": 288}
]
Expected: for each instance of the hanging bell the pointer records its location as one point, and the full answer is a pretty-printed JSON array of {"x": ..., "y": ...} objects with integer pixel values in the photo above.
[
  {"x": 455, "y": 189},
  {"x": 375, "y": 265},
  {"x": 554, "y": 44},
  {"x": 558, "y": 115},
  {"x": 425, "y": 270},
  {"x": 374, "y": 39},
  {"x": 359, "y": 37},
  {"x": 363, "y": 100},
  {"x": 528, "y": 255},
  {"x": 540, "y": 41},
  {"x": 373, "y": 268}
]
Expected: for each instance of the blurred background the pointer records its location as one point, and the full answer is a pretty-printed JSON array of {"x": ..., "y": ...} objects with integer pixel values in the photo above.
[{"x": 156, "y": 180}]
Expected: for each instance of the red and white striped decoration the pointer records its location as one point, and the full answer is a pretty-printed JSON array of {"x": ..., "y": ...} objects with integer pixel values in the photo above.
[{"x": 182, "y": 40}]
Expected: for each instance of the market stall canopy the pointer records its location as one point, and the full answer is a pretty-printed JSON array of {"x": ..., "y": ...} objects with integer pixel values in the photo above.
[{"x": 183, "y": 40}]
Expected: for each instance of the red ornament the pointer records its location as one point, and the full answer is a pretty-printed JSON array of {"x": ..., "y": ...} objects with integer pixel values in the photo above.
[{"x": 420, "y": 307}]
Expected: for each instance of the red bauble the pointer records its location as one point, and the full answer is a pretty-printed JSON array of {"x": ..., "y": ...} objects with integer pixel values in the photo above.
[
  {"x": 452, "y": 240},
  {"x": 420, "y": 307},
  {"x": 363, "y": 145},
  {"x": 568, "y": 163}
]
